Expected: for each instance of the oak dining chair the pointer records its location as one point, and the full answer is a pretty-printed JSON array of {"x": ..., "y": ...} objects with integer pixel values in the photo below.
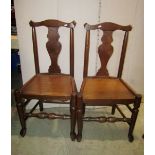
[
  {"x": 103, "y": 89},
  {"x": 52, "y": 86}
]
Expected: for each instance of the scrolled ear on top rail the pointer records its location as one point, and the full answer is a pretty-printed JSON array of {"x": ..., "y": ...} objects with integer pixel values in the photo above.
[
  {"x": 107, "y": 26},
  {"x": 52, "y": 23}
]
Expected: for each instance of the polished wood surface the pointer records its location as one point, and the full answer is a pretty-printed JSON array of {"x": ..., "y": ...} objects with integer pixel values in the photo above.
[
  {"x": 35, "y": 50},
  {"x": 86, "y": 54},
  {"x": 54, "y": 48},
  {"x": 105, "y": 51},
  {"x": 52, "y": 23},
  {"x": 72, "y": 52},
  {"x": 108, "y": 26},
  {"x": 105, "y": 88},
  {"x": 49, "y": 85}
]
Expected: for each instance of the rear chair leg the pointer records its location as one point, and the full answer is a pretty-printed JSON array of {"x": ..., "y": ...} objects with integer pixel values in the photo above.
[
  {"x": 41, "y": 106},
  {"x": 73, "y": 116},
  {"x": 113, "y": 109},
  {"x": 134, "y": 117},
  {"x": 80, "y": 112},
  {"x": 21, "y": 112}
]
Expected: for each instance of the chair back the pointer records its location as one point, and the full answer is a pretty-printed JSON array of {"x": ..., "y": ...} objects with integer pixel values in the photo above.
[
  {"x": 53, "y": 44},
  {"x": 105, "y": 50}
]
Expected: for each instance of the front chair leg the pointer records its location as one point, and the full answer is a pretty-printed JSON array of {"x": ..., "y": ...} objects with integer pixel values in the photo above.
[
  {"x": 73, "y": 116},
  {"x": 79, "y": 117},
  {"x": 21, "y": 111},
  {"x": 134, "y": 117}
]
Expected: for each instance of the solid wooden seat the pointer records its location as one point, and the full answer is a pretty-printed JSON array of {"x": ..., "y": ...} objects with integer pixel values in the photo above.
[
  {"x": 105, "y": 88},
  {"x": 102, "y": 89},
  {"x": 49, "y": 86},
  {"x": 53, "y": 86}
]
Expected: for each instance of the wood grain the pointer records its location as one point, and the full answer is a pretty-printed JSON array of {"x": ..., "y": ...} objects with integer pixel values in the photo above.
[
  {"x": 53, "y": 47},
  {"x": 49, "y": 85},
  {"x": 98, "y": 88},
  {"x": 105, "y": 51}
]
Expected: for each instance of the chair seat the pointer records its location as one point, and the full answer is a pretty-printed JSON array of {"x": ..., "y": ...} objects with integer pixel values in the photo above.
[
  {"x": 106, "y": 88},
  {"x": 49, "y": 86}
]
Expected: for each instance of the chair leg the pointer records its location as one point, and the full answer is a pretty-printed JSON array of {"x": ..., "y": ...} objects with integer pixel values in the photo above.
[
  {"x": 83, "y": 109},
  {"x": 73, "y": 116},
  {"x": 21, "y": 111},
  {"x": 79, "y": 117},
  {"x": 134, "y": 117},
  {"x": 113, "y": 109},
  {"x": 41, "y": 106}
]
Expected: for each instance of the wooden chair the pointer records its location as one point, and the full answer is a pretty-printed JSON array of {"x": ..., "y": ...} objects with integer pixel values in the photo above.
[
  {"x": 103, "y": 90},
  {"x": 53, "y": 87}
]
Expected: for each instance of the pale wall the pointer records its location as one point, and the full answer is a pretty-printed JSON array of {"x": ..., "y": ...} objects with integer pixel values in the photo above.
[
  {"x": 120, "y": 11},
  {"x": 129, "y": 12}
]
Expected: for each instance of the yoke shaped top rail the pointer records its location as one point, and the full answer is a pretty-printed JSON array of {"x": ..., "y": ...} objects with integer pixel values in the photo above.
[
  {"x": 108, "y": 26},
  {"x": 53, "y": 23}
]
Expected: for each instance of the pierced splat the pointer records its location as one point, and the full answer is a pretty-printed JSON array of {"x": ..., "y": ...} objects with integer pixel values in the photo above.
[
  {"x": 53, "y": 47},
  {"x": 105, "y": 51}
]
